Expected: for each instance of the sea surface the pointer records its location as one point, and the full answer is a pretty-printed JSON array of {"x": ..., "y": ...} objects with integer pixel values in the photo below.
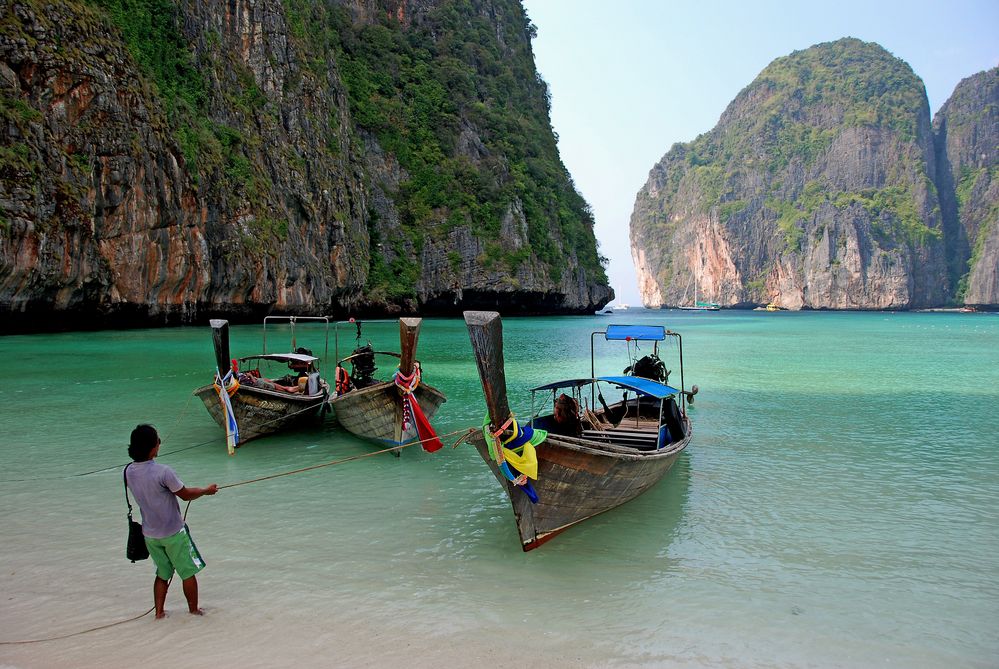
[{"x": 838, "y": 506}]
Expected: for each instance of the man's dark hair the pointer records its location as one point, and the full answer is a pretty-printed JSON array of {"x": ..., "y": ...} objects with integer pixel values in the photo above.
[{"x": 144, "y": 439}]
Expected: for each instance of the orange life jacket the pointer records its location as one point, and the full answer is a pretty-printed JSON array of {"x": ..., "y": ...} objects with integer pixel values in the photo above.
[{"x": 342, "y": 380}]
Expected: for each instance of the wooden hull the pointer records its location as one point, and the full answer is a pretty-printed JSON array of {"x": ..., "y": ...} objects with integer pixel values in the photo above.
[
  {"x": 375, "y": 412},
  {"x": 578, "y": 479},
  {"x": 260, "y": 412}
]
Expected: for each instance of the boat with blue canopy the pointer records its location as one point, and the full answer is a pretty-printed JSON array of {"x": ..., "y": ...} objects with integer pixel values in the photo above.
[{"x": 578, "y": 455}]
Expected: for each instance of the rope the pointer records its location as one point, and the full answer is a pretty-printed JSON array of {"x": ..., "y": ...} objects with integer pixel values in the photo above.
[
  {"x": 72, "y": 634},
  {"x": 467, "y": 432},
  {"x": 99, "y": 627},
  {"x": 497, "y": 445},
  {"x": 162, "y": 455},
  {"x": 407, "y": 384},
  {"x": 96, "y": 381}
]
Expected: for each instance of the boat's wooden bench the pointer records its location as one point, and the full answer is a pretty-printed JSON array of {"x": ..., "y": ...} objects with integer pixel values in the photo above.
[
  {"x": 632, "y": 430},
  {"x": 646, "y": 439}
]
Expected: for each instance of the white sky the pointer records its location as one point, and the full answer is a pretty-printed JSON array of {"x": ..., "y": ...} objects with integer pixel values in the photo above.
[{"x": 630, "y": 78}]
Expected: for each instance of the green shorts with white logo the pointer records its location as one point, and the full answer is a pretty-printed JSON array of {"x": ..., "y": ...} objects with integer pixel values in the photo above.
[{"x": 176, "y": 552}]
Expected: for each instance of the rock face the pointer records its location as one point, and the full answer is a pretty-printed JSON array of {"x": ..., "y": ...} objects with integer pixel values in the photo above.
[
  {"x": 818, "y": 189},
  {"x": 168, "y": 161},
  {"x": 967, "y": 128}
]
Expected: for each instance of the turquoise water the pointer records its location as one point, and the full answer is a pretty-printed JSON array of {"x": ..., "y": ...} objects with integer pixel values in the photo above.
[{"x": 838, "y": 506}]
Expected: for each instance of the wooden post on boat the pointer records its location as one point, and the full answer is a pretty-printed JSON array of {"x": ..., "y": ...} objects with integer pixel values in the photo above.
[
  {"x": 485, "y": 329},
  {"x": 409, "y": 333},
  {"x": 220, "y": 337}
]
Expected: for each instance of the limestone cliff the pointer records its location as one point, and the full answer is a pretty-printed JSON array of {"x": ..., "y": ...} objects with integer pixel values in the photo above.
[
  {"x": 815, "y": 190},
  {"x": 165, "y": 161},
  {"x": 967, "y": 128}
]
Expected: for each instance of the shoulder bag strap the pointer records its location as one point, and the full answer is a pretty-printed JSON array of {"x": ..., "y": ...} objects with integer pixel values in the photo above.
[{"x": 124, "y": 480}]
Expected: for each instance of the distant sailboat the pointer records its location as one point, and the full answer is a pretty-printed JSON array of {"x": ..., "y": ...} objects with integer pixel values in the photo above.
[{"x": 697, "y": 305}]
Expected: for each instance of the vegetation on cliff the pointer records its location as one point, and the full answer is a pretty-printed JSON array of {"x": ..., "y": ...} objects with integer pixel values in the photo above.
[
  {"x": 416, "y": 87},
  {"x": 816, "y": 187},
  {"x": 967, "y": 132},
  {"x": 423, "y": 85},
  {"x": 238, "y": 158}
]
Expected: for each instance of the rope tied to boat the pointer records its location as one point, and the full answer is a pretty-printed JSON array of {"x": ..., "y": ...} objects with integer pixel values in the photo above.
[
  {"x": 229, "y": 382},
  {"x": 497, "y": 446},
  {"x": 465, "y": 434},
  {"x": 408, "y": 384}
]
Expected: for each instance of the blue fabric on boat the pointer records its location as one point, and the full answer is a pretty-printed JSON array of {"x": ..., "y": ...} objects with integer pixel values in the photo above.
[
  {"x": 505, "y": 468},
  {"x": 568, "y": 383},
  {"x": 664, "y": 437},
  {"x": 636, "y": 383},
  {"x": 527, "y": 488},
  {"x": 640, "y": 385},
  {"x": 635, "y": 332}
]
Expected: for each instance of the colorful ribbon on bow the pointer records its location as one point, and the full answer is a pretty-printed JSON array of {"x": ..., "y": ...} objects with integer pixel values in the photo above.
[
  {"x": 226, "y": 386},
  {"x": 411, "y": 411},
  {"x": 524, "y": 463}
]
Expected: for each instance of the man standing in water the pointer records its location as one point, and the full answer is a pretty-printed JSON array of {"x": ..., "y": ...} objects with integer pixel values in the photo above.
[{"x": 156, "y": 489}]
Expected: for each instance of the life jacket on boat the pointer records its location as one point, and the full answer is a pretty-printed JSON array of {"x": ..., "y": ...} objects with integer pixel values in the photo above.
[{"x": 342, "y": 380}]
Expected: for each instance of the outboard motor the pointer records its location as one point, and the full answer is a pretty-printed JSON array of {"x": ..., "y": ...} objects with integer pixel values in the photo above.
[
  {"x": 362, "y": 367},
  {"x": 649, "y": 367}
]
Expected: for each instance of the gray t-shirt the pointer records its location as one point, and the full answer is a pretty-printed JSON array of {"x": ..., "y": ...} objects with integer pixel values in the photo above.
[{"x": 153, "y": 486}]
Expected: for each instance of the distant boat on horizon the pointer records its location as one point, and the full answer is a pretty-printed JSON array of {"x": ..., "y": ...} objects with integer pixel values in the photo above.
[
  {"x": 697, "y": 304},
  {"x": 772, "y": 306},
  {"x": 621, "y": 307}
]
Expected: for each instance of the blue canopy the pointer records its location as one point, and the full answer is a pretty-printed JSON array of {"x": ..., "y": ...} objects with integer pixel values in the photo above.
[
  {"x": 636, "y": 383},
  {"x": 635, "y": 332},
  {"x": 568, "y": 383},
  {"x": 640, "y": 385}
]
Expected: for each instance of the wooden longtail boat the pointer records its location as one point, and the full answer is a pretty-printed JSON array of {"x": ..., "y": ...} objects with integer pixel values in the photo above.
[
  {"x": 375, "y": 409},
  {"x": 262, "y": 409},
  {"x": 614, "y": 453}
]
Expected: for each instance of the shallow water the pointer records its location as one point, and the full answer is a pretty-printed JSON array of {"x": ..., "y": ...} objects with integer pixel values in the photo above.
[{"x": 838, "y": 506}]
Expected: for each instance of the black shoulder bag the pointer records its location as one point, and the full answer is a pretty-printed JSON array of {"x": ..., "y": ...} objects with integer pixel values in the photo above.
[{"x": 135, "y": 549}]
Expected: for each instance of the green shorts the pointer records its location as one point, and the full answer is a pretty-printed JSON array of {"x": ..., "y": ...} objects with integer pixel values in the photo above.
[{"x": 176, "y": 552}]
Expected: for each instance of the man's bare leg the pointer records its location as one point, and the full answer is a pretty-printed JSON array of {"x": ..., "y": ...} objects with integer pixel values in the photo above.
[
  {"x": 159, "y": 596},
  {"x": 191, "y": 592}
]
